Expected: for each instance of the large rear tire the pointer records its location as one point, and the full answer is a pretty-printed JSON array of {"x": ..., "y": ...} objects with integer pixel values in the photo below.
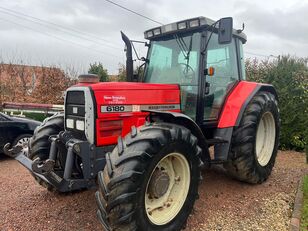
[
  {"x": 39, "y": 145},
  {"x": 255, "y": 142},
  {"x": 150, "y": 181}
]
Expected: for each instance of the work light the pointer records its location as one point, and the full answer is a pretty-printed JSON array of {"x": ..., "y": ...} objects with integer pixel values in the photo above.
[
  {"x": 157, "y": 31},
  {"x": 70, "y": 123},
  {"x": 150, "y": 34},
  {"x": 182, "y": 25},
  {"x": 80, "y": 125},
  {"x": 194, "y": 23}
]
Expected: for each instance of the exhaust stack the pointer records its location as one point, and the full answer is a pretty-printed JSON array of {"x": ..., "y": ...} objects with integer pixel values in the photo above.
[{"x": 129, "y": 58}]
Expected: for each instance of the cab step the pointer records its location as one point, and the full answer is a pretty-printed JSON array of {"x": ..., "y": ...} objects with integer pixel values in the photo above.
[{"x": 216, "y": 141}]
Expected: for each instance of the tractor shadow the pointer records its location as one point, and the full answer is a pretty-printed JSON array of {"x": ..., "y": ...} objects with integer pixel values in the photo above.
[{"x": 4, "y": 157}]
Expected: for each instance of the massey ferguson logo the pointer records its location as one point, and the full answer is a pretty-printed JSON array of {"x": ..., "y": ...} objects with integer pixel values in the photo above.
[{"x": 114, "y": 99}]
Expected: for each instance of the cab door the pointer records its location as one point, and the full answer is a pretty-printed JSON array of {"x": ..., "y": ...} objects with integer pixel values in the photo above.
[{"x": 223, "y": 58}]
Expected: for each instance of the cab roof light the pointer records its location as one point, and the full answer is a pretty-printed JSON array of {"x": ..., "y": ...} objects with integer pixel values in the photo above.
[
  {"x": 150, "y": 34},
  {"x": 182, "y": 25},
  {"x": 168, "y": 28},
  {"x": 157, "y": 31},
  {"x": 194, "y": 23}
]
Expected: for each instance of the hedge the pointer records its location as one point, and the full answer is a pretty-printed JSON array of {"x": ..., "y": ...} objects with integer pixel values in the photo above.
[{"x": 289, "y": 75}]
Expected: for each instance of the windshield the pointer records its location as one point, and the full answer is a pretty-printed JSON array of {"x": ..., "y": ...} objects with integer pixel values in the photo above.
[{"x": 174, "y": 60}]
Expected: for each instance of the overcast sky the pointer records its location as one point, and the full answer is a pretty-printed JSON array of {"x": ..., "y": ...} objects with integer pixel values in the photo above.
[{"x": 273, "y": 27}]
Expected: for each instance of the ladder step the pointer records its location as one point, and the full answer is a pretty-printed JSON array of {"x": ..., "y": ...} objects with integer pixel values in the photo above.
[{"x": 216, "y": 141}]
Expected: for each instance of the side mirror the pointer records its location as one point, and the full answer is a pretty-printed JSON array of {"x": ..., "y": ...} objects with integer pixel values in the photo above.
[{"x": 225, "y": 30}]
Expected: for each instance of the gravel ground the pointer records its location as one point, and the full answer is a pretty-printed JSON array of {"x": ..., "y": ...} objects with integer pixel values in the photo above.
[{"x": 224, "y": 204}]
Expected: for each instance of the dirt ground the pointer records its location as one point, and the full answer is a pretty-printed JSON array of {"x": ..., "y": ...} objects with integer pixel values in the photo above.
[{"x": 224, "y": 204}]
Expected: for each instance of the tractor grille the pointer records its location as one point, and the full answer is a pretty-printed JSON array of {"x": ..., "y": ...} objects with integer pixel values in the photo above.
[{"x": 75, "y": 113}]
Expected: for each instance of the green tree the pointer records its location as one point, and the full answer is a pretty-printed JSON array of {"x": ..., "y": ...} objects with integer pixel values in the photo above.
[
  {"x": 289, "y": 76},
  {"x": 98, "y": 69},
  {"x": 122, "y": 73}
]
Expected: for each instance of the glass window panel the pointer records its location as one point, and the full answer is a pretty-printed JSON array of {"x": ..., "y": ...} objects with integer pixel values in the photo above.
[{"x": 224, "y": 60}]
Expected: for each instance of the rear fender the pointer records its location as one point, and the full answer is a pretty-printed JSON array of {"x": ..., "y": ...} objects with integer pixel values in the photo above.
[
  {"x": 232, "y": 113},
  {"x": 238, "y": 100},
  {"x": 181, "y": 119}
]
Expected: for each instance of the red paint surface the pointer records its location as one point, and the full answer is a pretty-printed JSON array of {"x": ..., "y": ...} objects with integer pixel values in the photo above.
[
  {"x": 122, "y": 93},
  {"x": 234, "y": 103}
]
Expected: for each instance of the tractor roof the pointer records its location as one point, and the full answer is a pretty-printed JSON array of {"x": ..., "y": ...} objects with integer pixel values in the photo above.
[{"x": 186, "y": 25}]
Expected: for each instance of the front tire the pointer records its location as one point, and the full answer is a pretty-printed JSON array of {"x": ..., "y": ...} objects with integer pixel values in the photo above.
[
  {"x": 150, "y": 181},
  {"x": 39, "y": 145},
  {"x": 255, "y": 142}
]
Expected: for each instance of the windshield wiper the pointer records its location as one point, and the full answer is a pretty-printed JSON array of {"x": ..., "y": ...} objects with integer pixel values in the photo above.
[
  {"x": 180, "y": 44},
  {"x": 185, "y": 50},
  {"x": 183, "y": 47},
  {"x": 188, "y": 52},
  {"x": 210, "y": 36}
]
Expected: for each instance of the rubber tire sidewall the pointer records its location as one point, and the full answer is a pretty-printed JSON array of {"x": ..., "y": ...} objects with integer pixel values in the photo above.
[
  {"x": 266, "y": 170},
  {"x": 243, "y": 164},
  {"x": 143, "y": 222}
]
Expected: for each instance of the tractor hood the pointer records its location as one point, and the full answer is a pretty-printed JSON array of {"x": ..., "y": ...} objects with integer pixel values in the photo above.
[
  {"x": 135, "y": 96},
  {"x": 128, "y": 93},
  {"x": 118, "y": 106}
]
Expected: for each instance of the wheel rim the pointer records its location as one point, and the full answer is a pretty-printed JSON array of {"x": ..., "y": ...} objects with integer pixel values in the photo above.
[
  {"x": 167, "y": 188},
  {"x": 265, "y": 140},
  {"x": 23, "y": 142}
]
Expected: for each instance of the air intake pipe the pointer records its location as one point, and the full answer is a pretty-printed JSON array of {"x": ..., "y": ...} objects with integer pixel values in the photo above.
[{"x": 129, "y": 58}]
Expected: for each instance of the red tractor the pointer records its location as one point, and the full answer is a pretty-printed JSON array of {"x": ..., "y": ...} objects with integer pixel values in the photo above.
[{"x": 146, "y": 140}]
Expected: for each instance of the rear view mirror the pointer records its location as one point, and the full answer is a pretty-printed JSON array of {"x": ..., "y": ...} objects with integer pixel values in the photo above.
[{"x": 225, "y": 30}]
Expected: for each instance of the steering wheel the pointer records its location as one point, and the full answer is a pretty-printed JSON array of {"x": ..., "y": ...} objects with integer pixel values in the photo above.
[{"x": 188, "y": 72}]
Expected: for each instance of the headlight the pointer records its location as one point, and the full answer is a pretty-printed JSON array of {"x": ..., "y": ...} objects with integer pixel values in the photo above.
[
  {"x": 80, "y": 125},
  {"x": 70, "y": 123}
]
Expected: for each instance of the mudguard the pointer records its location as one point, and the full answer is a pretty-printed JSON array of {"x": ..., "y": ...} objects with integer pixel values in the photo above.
[
  {"x": 233, "y": 111},
  {"x": 184, "y": 120},
  {"x": 237, "y": 101}
]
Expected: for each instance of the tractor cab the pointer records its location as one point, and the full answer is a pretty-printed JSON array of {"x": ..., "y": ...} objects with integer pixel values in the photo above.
[{"x": 203, "y": 56}]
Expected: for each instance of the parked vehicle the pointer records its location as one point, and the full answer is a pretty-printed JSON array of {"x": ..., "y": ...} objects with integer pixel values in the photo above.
[
  {"x": 148, "y": 141},
  {"x": 16, "y": 130}
]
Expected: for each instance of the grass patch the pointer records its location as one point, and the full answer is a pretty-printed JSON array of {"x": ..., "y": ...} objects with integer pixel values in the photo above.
[{"x": 304, "y": 218}]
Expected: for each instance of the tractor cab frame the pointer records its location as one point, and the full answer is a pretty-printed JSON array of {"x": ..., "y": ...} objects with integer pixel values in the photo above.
[{"x": 182, "y": 53}]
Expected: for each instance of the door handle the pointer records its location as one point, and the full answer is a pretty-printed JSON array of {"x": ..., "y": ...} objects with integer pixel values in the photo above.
[{"x": 207, "y": 88}]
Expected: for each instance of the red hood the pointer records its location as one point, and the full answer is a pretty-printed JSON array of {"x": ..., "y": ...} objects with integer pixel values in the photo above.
[
  {"x": 123, "y": 102},
  {"x": 129, "y": 86},
  {"x": 135, "y": 93}
]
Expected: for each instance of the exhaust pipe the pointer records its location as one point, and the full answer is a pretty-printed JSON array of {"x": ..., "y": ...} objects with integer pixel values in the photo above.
[{"x": 129, "y": 58}]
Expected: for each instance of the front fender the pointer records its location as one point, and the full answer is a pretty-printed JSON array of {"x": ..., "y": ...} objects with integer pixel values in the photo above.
[{"x": 184, "y": 120}]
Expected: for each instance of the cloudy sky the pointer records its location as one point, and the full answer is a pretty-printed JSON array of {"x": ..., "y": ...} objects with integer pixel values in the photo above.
[{"x": 273, "y": 27}]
